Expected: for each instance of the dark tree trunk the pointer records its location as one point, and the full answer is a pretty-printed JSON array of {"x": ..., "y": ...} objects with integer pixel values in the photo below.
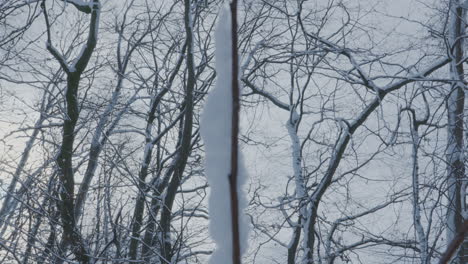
[
  {"x": 455, "y": 129},
  {"x": 295, "y": 243},
  {"x": 185, "y": 143},
  {"x": 236, "y": 250},
  {"x": 71, "y": 234}
]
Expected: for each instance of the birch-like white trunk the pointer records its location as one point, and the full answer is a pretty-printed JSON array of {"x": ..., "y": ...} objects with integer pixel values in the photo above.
[
  {"x": 420, "y": 233},
  {"x": 292, "y": 125}
]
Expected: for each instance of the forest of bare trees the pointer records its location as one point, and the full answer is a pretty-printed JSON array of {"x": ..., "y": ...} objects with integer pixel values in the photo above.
[{"x": 349, "y": 123}]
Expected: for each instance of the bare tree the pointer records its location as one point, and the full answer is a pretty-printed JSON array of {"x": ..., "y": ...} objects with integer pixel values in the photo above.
[
  {"x": 71, "y": 234},
  {"x": 353, "y": 131}
]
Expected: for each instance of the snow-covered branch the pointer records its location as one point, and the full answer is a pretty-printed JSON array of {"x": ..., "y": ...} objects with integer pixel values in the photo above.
[
  {"x": 82, "y": 6},
  {"x": 219, "y": 129}
]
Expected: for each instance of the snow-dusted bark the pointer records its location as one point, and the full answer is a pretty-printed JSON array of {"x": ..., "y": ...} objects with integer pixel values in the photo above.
[
  {"x": 421, "y": 237},
  {"x": 184, "y": 147},
  {"x": 150, "y": 142},
  {"x": 455, "y": 112},
  {"x": 160, "y": 184},
  {"x": 216, "y": 130},
  {"x": 340, "y": 147},
  {"x": 140, "y": 203},
  {"x": 292, "y": 126},
  {"x": 71, "y": 234},
  {"x": 100, "y": 135},
  {"x": 296, "y": 156}
]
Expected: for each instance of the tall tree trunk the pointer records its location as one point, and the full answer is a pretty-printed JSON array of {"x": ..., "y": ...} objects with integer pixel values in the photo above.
[
  {"x": 140, "y": 203},
  {"x": 292, "y": 126},
  {"x": 233, "y": 176},
  {"x": 455, "y": 112},
  {"x": 142, "y": 186},
  {"x": 150, "y": 142},
  {"x": 421, "y": 237},
  {"x": 185, "y": 144},
  {"x": 71, "y": 234}
]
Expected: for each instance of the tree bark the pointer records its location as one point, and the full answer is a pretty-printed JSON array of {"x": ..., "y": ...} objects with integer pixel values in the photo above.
[
  {"x": 236, "y": 247},
  {"x": 185, "y": 144},
  {"x": 71, "y": 234},
  {"x": 455, "y": 116}
]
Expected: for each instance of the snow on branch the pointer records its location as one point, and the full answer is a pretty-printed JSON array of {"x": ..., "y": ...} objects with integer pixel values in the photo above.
[
  {"x": 332, "y": 47},
  {"x": 417, "y": 76},
  {"x": 55, "y": 53},
  {"x": 80, "y": 63},
  {"x": 217, "y": 132},
  {"x": 82, "y": 6},
  {"x": 82, "y": 60},
  {"x": 269, "y": 96}
]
